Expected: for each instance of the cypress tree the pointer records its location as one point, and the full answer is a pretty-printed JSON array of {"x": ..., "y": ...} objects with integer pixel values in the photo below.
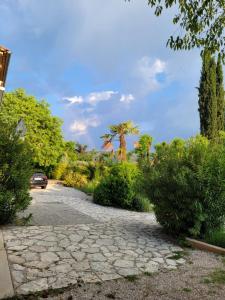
[
  {"x": 207, "y": 96},
  {"x": 220, "y": 94}
]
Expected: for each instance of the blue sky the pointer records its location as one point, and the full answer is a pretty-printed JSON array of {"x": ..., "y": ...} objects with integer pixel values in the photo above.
[{"x": 101, "y": 62}]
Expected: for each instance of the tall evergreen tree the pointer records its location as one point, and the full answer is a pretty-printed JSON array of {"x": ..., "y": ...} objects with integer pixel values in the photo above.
[
  {"x": 207, "y": 96},
  {"x": 220, "y": 94}
]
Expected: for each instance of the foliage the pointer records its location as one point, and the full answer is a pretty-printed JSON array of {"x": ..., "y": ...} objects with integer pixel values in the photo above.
[
  {"x": 61, "y": 169},
  {"x": 69, "y": 148},
  {"x": 75, "y": 180},
  {"x": 207, "y": 96},
  {"x": 187, "y": 186},
  {"x": 201, "y": 22},
  {"x": 90, "y": 187},
  {"x": 67, "y": 161},
  {"x": 220, "y": 95},
  {"x": 119, "y": 188},
  {"x": 81, "y": 148},
  {"x": 121, "y": 131},
  {"x": 216, "y": 277},
  {"x": 141, "y": 203},
  {"x": 143, "y": 148},
  {"x": 15, "y": 173},
  {"x": 43, "y": 135},
  {"x": 216, "y": 237}
]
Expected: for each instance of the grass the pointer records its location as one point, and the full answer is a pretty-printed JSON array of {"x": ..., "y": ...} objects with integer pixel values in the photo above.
[
  {"x": 148, "y": 274},
  {"x": 223, "y": 260},
  {"x": 187, "y": 290},
  {"x": 90, "y": 187},
  {"x": 24, "y": 221},
  {"x": 177, "y": 255},
  {"x": 131, "y": 278},
  {"x": 216, "y": 238},
  {"x": 217, "y": 276}
]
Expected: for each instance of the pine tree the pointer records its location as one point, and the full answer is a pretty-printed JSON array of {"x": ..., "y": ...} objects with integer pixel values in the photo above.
[
  {"x": 220, "y": 95},
  {"x": 207, "y": 96}
]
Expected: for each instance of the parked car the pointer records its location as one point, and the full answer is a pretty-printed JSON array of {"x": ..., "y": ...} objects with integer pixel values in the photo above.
[{"x": 39, "y": 180}]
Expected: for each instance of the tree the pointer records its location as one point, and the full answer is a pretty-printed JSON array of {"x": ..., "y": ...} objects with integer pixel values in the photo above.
[
  {"x": 15, "y": 173},
  {"x": 44, "y": 135},
  {"x": 81, "y": 149},
  {"x": 121, "y": 131},
  {"x": 202, "y": 23},
  {"x": 207, "y": 96},
  {"x": 220, "y": 95},
  {"x": 70, "y": 148},
  {"x": 66, "y": 161},
  {"x": 143, "y": 147}
]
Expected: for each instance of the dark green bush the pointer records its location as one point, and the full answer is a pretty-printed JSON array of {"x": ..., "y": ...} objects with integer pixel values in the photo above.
[
  {"x": 119, "y": 188},
  {"x": 187, "y": 186},
  {"x": 15, "y": 173}
]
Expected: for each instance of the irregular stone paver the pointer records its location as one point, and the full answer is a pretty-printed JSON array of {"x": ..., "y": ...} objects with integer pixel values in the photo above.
[
  {"x": 127, "y": 254},
  {"x": 122, "y": 243}
]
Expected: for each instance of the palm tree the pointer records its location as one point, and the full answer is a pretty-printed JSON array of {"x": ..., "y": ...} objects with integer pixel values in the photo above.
[
  {"x": 81, "y": 149},
  {"x": 121, "y": 131},
  {"x": 143, "y": 146}
]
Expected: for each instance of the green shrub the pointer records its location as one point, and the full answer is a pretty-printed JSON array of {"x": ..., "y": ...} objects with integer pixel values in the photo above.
[
  {"x": 216, "y": 238},
  {"x": 187, "y": 187},
  {"x": 75, "y": 180},
  {"x": 90, "y": 187},
  {"x": 60, "y": 170},
  {"x": 15, "y": 173},
  {"x": 141, "y": 203},
  {"x": 119, "y": 188}
]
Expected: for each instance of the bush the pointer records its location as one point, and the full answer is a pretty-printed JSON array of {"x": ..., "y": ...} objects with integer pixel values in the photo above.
[
  {"x": 15, "y": 173},
  {"x": 90, "y": 187},
  {"x": 75, "y": 180},
  {"x": 187, "y": 187},
  {"x": 60, "y": 170},
  {"x": 141, "y": 203},
  {"x": 216, "y": 238},
  {"x": 119, "y": 188}
]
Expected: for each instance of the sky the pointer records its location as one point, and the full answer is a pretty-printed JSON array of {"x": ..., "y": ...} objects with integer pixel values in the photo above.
[{"x": 102, "y": 62}]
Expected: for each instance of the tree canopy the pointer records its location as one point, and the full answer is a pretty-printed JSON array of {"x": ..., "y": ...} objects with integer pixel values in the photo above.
[
  {"x": 211, "y": 96},
  {"x": 201, "y": 22},
  {"x": 44, "y": 135}
]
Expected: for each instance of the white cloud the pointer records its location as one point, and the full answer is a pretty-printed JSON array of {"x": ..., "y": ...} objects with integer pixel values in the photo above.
[
  {"x": 127, "y": 98},
  {"x": 147, "y": 70},
  {"x": 81, "y": 127},
  {"x": 94, "y": 98},
  {"x": 74, "y": 100},
  {"x": 91, "y": 99}
]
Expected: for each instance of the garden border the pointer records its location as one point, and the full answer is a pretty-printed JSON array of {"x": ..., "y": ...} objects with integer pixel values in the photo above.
[
  {"x": 6, "y": 286},
  {"x": 205, "y": 246}
]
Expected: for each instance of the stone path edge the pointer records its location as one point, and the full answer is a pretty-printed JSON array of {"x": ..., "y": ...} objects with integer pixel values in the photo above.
[{"x": 6, "y": 286}]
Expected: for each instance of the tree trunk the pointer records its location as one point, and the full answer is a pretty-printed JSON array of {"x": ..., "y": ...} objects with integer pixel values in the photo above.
[
  {"x": 123, "y": 148},
  {"x": 148, "y": 153}
]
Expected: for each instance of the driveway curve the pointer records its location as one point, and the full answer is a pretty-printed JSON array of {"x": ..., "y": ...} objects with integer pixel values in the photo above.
[
  {"x": 59, "y": 205},
  {"x": 97, "y": 243}
]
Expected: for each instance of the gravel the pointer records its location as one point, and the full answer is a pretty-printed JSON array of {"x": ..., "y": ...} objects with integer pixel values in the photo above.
[{"x": 185, "y": 283}]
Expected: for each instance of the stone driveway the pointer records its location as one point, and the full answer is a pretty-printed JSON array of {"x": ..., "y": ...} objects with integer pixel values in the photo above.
[{"x": 105, "y": 244}]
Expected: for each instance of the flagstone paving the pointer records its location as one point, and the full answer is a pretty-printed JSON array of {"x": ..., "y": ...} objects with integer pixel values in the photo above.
[{"x": 121, "y": 243}]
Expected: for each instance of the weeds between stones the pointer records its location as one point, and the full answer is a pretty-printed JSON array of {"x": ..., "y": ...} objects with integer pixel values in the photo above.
[
  {"x": 217, "y": 276},
  {"x": 131, "y": 278}
]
